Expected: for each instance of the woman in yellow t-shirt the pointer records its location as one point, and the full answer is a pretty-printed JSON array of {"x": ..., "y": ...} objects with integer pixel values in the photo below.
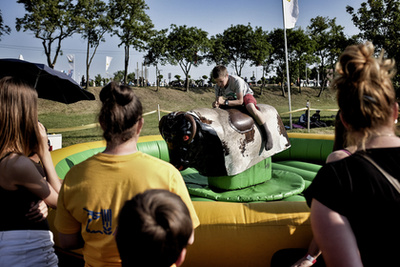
[{"x": 95, "y": 190}]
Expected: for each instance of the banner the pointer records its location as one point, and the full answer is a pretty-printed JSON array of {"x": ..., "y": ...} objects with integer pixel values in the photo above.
[
  {"x": 108, "y": 62},
  {"x": 291, "y": 13},
  {"x": 71, "y": 61}
]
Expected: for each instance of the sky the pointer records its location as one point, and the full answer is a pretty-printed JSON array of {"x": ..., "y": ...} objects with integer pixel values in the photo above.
[{"x": 209, "y": 15}]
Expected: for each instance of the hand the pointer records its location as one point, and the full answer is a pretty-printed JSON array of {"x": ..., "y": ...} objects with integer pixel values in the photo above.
[
  {"x": 215, "y": 104},
  {"x": 221, "y": 100},
  {"x": 44, "y": 144},
  {"x": 38, "y": 211},
  {"x": 303, "y": 262}
]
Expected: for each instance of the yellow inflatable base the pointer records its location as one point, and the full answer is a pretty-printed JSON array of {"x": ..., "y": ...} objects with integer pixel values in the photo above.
[
  {"x": 232, "y": 234},
  {"x": 237, "y": 234}
]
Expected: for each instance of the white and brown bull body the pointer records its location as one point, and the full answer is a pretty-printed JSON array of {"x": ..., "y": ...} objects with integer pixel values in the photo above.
[{"x": 220, "y": 142}]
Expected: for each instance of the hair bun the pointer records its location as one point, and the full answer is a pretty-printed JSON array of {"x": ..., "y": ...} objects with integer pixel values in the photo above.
[{"x": 121, "y": 95}]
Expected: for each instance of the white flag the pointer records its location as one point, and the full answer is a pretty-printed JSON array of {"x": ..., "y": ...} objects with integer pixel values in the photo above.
[
  {"x": 71, "y": 61},
  {"x": 20, "y": 57},
  {"x": 108, "y": 62},
  {"x": 291, "y": 12}
]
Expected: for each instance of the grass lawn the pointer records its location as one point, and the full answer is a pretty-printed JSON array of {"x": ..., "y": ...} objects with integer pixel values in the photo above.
[{"x": 56, "y": 115}]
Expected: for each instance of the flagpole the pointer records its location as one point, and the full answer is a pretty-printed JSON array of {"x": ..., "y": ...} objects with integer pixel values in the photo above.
[
  {"x": 287, "y": 66},
  {"x": 74, "y": 69}
]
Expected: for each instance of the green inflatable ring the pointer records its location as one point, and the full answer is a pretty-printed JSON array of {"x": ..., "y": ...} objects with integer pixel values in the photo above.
[{"x": 282, "y": 184}]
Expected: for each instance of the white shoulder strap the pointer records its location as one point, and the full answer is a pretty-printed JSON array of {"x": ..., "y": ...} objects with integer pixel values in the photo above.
[{"x": 389, "y": 177}]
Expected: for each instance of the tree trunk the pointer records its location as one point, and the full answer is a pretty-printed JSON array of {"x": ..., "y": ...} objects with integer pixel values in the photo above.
[
  {"x": 126, "y": 64},
  {"x": 157, "y": 80},
  {"x": 187, "y": 83},
  {"x": 322, "y": 87},
  {"x": 263, "y": 81},
  {"x": 87, "y": 64},
  {"x": 47, "y": 51}
]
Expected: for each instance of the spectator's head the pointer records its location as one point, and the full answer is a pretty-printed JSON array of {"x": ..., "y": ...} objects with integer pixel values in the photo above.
[
  {"x": 121, "y": 113},
  {"x": 365, "y": 92},
  {"x": 154, "y": 229},
  {"x": 18, "y": 117},
  {"x": 220, "y": 75}
]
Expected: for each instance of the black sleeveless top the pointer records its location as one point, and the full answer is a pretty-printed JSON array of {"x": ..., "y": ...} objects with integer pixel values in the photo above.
[
  {"x": 354, "y": 188},
  {"x": 15, "y": 205}
]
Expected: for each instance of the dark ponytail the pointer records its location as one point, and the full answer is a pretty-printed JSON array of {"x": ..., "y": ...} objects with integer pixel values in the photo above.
[{"x": 121, "y": 110}]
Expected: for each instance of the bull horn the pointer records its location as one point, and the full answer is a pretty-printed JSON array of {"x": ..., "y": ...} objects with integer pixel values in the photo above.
[{"x": 194, "y": 127}]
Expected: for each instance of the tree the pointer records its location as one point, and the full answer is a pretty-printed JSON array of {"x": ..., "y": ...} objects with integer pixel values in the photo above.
[
  {"x": 178, "y": 77},
  {"x": 218, "y": 54},
  {"x": 132, "y": 25},
  {"x": 329, "y": 40},
  {"x": 119, "y": 76},
  {"x": 260, "y": 52},
  {"x": 4, "y": 29},
  {"x": 378, "y": 22},
  {"x": 302, "y": 49},
  {"x": 277, "y": 57},
  {"x": 98, "y": 79},
  {"x": 51, "y": 21},
  {"x": 156, "y": 48},
  {"x": 299, "y": 49},
  {"x": 236, "y": 43},
  {"x": 184, "y": 46},
  {"x": 94, "y": 25}
]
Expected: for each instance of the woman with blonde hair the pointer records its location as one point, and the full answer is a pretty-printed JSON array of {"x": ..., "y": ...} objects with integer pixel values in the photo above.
[
  {"x": 355, "y": 209},
  {"x": 23, "y": 241}
]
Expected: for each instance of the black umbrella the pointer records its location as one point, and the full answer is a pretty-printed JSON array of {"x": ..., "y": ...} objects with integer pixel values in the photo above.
[{"x": 49, "y": 83}]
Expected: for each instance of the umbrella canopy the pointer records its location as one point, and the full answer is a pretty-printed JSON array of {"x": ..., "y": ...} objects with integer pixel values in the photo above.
[{"x": 49, "y": 83}]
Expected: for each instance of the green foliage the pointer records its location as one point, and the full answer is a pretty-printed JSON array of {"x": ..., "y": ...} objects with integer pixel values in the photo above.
[
  {"x": 330, "y": 41},
  {"x": 277, "y": 57},
  {"x": 94, "y": 24},
  {"x": 98, "y": 79},
  {"x": 156, "y": 49},
  {"x": 119, "y": 76},
  {"x": 379, "y": 22},
  {"x": 237, "y": 43},
  {"x": 51, "y": 21},
  {"x": 218, "y": 53},
  {"x": 132, "y": 25},
  {"x": 4, "y": 29},
  {"x": 183, "y": 46},
  {"x": 260, "y": 48}
]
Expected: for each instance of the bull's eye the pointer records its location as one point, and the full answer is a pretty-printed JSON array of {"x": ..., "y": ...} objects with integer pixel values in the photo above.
[{"x": 185, "y": 137}]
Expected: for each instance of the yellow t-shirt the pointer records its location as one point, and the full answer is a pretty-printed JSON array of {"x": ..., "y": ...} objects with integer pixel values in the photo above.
[{"x": 95, "y": 190}]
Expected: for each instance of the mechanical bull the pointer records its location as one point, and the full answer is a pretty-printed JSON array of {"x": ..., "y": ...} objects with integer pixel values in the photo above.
[{"x": 220, "y": 142}]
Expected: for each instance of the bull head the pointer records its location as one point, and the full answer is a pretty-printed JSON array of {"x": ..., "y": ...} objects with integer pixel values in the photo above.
[
  {"x": 177, "y": 129},
  {"x": 192, "y": 144}
]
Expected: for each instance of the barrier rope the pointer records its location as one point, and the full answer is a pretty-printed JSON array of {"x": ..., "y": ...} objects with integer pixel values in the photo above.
[
  {"x": 95, "y": 125},
  {"x": 158, "y": 111}
]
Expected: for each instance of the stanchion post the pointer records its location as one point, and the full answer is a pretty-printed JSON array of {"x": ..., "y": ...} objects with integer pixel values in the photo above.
[{"x": 308, "y": 115}]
